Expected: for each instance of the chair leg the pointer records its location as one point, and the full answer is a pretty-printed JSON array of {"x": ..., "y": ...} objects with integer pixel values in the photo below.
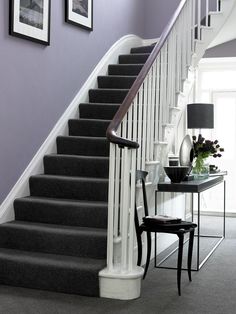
[
  {"x": 190, "y": 253},
  {"x": 149, "y": 247},
  {"x": 180, "y": 257},
  {"x": 140, "y": 248}
]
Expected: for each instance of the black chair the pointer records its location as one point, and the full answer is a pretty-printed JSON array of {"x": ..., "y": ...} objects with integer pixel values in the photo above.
[{"x": 173, "y": 228}]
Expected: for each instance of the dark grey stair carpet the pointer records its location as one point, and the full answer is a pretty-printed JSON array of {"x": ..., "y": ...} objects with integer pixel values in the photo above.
[
  {"x": 108, "y": 95},
  {"x": 80, "y": 188},
  {"x": 71, "y": 165},
  {"x": 98, "y": 111},
  {"x": 124, "y": 69},
  {"x": 58, "y": 238},
  {"x": 55, "y": 239},
  {"x": 143, "y": 49},
  {"x": 50, "y": 272},
  {"x": 116, "y": 81},
  {"x": 83, "y": 145},
  {"x": 133, "y": 58},
  {"x": 88, "y": 127},
  {"x": 52, "y": 210}
]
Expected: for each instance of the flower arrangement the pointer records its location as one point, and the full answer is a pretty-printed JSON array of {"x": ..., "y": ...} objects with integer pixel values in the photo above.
[{"x": 203, "y": 149}]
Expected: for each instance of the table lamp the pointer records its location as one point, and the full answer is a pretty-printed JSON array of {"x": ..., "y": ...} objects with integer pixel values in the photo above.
[{"x": 200, "y": 116}]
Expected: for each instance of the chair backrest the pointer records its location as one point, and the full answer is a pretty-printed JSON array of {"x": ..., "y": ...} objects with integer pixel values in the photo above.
[{"x": 141, "y": 176}]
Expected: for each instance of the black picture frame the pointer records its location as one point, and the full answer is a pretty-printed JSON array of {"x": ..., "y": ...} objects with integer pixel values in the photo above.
[
  {"x": 81, "y": 16},
  {"x": 30, "y": 19}
]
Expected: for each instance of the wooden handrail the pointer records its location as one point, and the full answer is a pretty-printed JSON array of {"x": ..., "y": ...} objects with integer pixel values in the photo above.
[{"x": 115, "y": 123}]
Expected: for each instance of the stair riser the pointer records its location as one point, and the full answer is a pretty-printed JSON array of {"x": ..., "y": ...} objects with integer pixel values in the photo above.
[
  {"x": 107, "y": 96},
  {"x": 98, "y": 111},
  {"x": 116, "y": 81},
  {"x": 72, "y": 166},
  {"x": 61, "y": 213},
  {"x": 69, "y": 188},
  {"x": 88, "y": 128},
  {"x": 133, "y": 59},
  {"x": 144, "y": 49},
  {"x": 82, "y": 146},
  {"x": 129, "y": 70},
  {"x": 49, "y": 277},
  {"x": 54, "y": 242}
]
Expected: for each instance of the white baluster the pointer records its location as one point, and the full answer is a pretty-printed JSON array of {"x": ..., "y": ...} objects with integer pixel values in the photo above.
[
  {"x": 110, "y": 249},
  {"x": 117, "y": 188},
  {"x": 152, "y": 123},
  {"x": 148, "y": 133},
  {"x": 207, "y": 12},
  {"x": 157, "y": 100},
  {"x": 199, "y": 20},
  {"x": 125, "y": 208},
  {"x": 140, "y": 122},
  {"x": 144, "y": 129},
  {"x": 193, "y": 24}
]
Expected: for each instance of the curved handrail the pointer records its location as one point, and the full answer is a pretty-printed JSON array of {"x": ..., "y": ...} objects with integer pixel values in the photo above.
[{"x": 115, "y": 123}]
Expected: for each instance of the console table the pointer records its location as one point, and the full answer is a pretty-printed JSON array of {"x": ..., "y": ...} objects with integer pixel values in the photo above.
[{"x": 194, "y": 186}]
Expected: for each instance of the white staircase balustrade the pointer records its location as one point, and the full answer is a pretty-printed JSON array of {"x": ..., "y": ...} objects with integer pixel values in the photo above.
[{"x": 153, "y": 104}]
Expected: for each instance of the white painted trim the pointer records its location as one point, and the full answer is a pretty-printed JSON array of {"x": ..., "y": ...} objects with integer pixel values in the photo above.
[
  {"x": 126, "y": 286},
  {"x": 216, "y": 61},
  {"x": 21, "y": 189}
]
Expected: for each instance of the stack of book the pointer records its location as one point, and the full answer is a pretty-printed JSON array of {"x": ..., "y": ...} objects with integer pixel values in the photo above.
[{"x": 161, "y": 220}]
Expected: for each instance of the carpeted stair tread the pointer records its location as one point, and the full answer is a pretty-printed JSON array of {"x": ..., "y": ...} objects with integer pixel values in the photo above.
[
  {"x": 98, "y": 111},
  {"x": 140, "y": 58},
  {"x": 54, "y": 239},
  {"x": 61, "y": 211},
  {"x": 107, "y": 95},
  {"x": 82, "y": 145},
  {"x": 142, "y": 49},
  {"x": 124, "y": 69},
  {"x": 80, "y": 188},
  {"x": 116, "y": 81},
  {"x": 88, "y": 127},
  {"x": 72, "y": 165},
  {"x": 53, "y": 272}
]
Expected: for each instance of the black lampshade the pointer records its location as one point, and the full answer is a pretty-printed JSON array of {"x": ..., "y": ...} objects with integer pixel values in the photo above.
[{"x": 200, "y": 116}]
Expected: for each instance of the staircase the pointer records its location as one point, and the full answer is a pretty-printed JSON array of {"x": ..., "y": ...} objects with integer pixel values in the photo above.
[
  {"x": 74, "y": 233},
  {"x": 58, "y": 240}
]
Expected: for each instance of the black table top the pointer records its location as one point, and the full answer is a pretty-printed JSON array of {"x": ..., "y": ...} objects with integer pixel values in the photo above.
[{"x": 194, "y": 186}]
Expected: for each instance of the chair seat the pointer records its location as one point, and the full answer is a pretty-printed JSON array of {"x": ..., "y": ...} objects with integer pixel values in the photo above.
[{"x": 183, "y": 226}]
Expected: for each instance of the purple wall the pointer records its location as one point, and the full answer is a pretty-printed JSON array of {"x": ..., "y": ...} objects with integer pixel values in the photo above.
[
  {"x": 37, "y": 83},
  {"x": 157, "y": 14}
]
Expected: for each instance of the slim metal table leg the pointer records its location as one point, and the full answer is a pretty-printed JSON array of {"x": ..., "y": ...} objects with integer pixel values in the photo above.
[
  {"x": 155, "y": 243},
  {"x": 198, "y": 231},
  {"x": 192, "y": 204},
  {"x": 224, "y": 208}
]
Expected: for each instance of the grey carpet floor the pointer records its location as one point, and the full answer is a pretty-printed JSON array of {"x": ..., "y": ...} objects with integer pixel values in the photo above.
[{"x": 211, "y": 291}]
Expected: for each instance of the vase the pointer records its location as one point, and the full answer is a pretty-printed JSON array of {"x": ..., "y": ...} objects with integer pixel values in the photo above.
[{"x": 200, "y": 168}]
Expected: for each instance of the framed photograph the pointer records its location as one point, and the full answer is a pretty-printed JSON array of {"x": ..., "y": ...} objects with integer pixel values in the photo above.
[
  {"x": 80, "y": 13},
  {"x": 30, "y": 19}
]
